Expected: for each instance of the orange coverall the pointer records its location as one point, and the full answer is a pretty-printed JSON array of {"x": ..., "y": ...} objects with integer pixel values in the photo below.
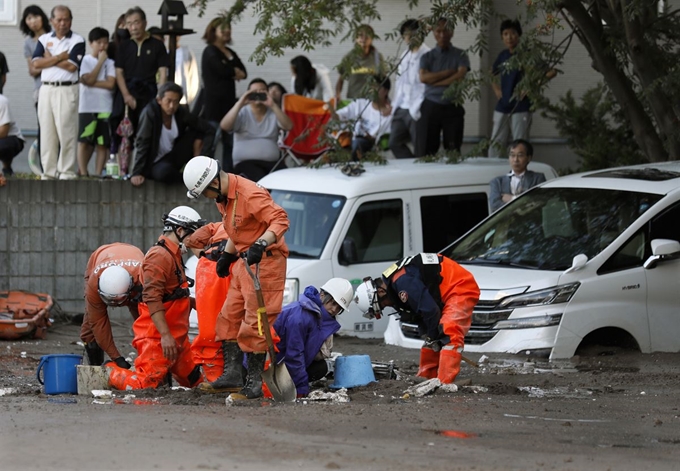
[
  {"x": 211, "y": 296},
  {"x": 162, "y": 274},
  {"x": 247, "y": 214},
  {"x": 96, "y": 323},
  {"x": 459, "y": 295}
]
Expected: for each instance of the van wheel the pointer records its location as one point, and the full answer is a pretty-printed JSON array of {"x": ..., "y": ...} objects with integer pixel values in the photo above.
[{"x": 607, "y": 341}]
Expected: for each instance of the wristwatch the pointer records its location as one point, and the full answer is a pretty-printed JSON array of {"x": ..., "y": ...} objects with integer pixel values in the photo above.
[{"x": 262, "y": 242}]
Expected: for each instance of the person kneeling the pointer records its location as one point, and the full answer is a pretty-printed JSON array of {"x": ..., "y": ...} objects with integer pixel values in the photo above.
[
  {"x": 162, "y": 328},
  {"x": 167, "y": 138},
  {"x": 306, "y": 329}
]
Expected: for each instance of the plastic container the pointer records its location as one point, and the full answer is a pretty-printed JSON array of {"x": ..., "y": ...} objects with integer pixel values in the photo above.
[
  {"x": 59, "y": 372},
  {"x": 352, "y": 371}
]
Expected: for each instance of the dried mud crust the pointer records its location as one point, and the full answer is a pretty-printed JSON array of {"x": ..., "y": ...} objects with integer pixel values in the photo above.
[{"x": 602, "y": 373}]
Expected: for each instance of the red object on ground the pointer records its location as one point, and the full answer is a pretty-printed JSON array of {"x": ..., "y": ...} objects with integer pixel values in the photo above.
[{"x": 24, "y": 314}]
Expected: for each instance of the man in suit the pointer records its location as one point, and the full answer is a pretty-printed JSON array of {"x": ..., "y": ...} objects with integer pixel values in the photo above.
[{"x": 507, "y": 187}]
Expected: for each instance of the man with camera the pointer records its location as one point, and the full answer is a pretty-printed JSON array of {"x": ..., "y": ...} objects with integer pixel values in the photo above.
[{"x": 256, "y": 131}]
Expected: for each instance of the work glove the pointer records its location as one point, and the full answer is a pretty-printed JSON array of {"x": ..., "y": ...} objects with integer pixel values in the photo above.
[
  {"x": 255, "y": 252},
  {"x": 122, "y": 363},
  {"x": 223, "y": 264}
]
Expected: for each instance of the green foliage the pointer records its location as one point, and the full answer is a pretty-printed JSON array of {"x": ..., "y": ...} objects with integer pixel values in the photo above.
[
  {"x": 596, "y": 129},
  {"x": 631, "y": 43}
]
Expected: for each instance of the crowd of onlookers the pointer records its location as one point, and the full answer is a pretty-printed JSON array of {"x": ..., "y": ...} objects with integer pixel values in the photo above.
[{"x": 152, "y": 124}]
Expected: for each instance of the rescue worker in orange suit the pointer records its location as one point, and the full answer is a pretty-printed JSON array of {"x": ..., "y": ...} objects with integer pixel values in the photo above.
[
  {"x": 255, "y": 226},
  {"x": 208, "y": 244},
  {"x": 162, "y": 328},
  {"x": 111, "y": 279},
  {"x": 437, "y": 294}
]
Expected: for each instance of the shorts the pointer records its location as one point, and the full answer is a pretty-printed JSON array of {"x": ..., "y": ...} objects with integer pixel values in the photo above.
[{"x": 94, "y": 129}]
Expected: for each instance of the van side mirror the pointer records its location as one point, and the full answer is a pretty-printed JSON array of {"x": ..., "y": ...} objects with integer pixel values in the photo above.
[
  {"x": 662, "y": 249},
  {"x": 578, "y": 262},
  {"x": 348, "y": 252}
]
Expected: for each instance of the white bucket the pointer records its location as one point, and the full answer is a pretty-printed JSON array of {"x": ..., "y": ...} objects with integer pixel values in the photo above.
[{"x": 91, "y": 377}]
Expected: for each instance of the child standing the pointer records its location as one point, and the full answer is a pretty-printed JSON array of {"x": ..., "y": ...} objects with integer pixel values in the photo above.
[{"x": 97, "y": 83}]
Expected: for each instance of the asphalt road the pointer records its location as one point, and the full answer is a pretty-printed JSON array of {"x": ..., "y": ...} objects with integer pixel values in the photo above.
[{"x": 613, "y": 410}]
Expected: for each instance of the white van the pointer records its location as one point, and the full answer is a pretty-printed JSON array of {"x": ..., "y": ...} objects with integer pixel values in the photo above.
[
  {"x": 356, "y": 226},
  {"x": 587, "y": 257}
]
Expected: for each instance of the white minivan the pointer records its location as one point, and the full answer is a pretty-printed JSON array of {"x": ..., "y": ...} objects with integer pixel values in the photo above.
[
  {"x": 593, "y": 257},
  {"x": 356, "y": 226}
]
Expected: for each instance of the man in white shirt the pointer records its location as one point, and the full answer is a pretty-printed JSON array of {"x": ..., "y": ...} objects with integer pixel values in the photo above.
[
  {"x": 508, "y": 187},
  {"x": 410, "y": 91},
  {"x": 369, "y": 119},
  {"x": 58, "y": 55},
  {"x": 97, "y": 83},
  {"x": 11, "y": 140}
]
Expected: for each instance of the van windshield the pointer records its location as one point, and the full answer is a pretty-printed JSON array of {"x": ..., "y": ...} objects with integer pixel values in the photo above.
[
  {"x": 312, "y": 217},
  {"x": 547, "y": 227}
]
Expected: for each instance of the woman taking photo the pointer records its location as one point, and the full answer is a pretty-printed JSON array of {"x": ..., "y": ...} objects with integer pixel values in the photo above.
[{"x": 221, "y": 68}]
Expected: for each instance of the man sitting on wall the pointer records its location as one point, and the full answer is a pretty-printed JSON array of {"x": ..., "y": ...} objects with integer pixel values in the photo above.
[{"x": 168, "y": 136}]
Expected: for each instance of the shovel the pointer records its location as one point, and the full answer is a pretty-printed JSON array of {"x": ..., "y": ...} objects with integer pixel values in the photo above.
[{"x": 276, "y": 377}]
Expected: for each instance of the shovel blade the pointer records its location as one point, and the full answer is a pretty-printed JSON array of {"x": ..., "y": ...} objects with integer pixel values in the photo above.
[{"x": 280, "y": 384}]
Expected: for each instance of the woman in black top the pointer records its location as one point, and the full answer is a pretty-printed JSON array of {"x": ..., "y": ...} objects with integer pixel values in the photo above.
[{"x": 221, "y": 68}]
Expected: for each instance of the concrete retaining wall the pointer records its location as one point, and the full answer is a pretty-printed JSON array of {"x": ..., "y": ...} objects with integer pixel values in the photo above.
[{"x": 48, "y": 229}]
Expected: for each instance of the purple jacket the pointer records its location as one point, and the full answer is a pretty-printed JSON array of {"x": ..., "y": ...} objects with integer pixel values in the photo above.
[{"x": 303, "y": 326}]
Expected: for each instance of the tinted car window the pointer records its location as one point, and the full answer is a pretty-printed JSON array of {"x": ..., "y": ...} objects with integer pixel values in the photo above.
[
  {"x": 546, "y": 228},
  {"x": 377, "y": 231},
  {"x": 444, "y": 218}
]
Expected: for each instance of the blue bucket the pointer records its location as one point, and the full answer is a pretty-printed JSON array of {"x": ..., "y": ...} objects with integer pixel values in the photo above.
[
  {"x": 352, "y": 371},
  {"x": 60, "y": 373}
]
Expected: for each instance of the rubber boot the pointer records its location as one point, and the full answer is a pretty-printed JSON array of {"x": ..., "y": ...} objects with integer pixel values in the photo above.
[
  {"x": 253, "y": 387},
  {"x": 95, "y": 354},
  {"x": 429, "y": 363},
  {"x": 449, "y": 364},
  {"x": 231, "y": 379}
]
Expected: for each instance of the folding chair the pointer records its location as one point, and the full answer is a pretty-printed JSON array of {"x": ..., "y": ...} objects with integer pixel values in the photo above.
[{"x": 304, "y": 143}]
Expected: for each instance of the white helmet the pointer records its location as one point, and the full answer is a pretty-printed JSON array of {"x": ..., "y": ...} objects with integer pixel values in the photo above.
[
  {"x": 341, "y": 291},
  {"x": 366, "y": 297},
  {"x": 115, "y": 285},
  {"x": 198, "y": 173},
  {"x": 183, "y": 216}
]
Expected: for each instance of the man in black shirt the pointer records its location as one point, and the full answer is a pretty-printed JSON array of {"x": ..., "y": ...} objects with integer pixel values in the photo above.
[{"x": 138, "y": 61}]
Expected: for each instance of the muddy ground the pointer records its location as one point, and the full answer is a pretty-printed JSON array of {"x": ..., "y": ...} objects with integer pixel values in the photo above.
[{"x": 608, "y": 410}]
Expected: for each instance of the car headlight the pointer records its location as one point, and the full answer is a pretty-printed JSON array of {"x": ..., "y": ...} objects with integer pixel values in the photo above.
[
  {"x": 291, "y": 290},
  {"x": 554, "y": 295},
  {"x": 529, "y": 322}
]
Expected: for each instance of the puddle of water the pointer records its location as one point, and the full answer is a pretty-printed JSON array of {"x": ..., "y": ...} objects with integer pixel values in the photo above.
[
  {"x": 456, "y": 434},
  {"x": 560, "y": 391},
  {"x": 554, "y": 419}
]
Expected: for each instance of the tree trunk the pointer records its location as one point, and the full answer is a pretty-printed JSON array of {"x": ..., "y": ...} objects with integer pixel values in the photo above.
[
  {"x": 591, "y": 36},
  {"x": 648, "y": 72}
]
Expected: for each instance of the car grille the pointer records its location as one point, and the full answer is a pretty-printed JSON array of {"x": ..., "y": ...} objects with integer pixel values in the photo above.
[{"x": 484, "y": 317}]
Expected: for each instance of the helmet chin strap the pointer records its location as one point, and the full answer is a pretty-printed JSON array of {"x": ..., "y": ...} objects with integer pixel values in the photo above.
[{"x": 220, "y": 197}]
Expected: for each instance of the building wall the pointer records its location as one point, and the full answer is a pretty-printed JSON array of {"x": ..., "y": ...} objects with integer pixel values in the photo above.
[
  {"x": 49, "y": 229},
  {"x": 577, "y": 74}
]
